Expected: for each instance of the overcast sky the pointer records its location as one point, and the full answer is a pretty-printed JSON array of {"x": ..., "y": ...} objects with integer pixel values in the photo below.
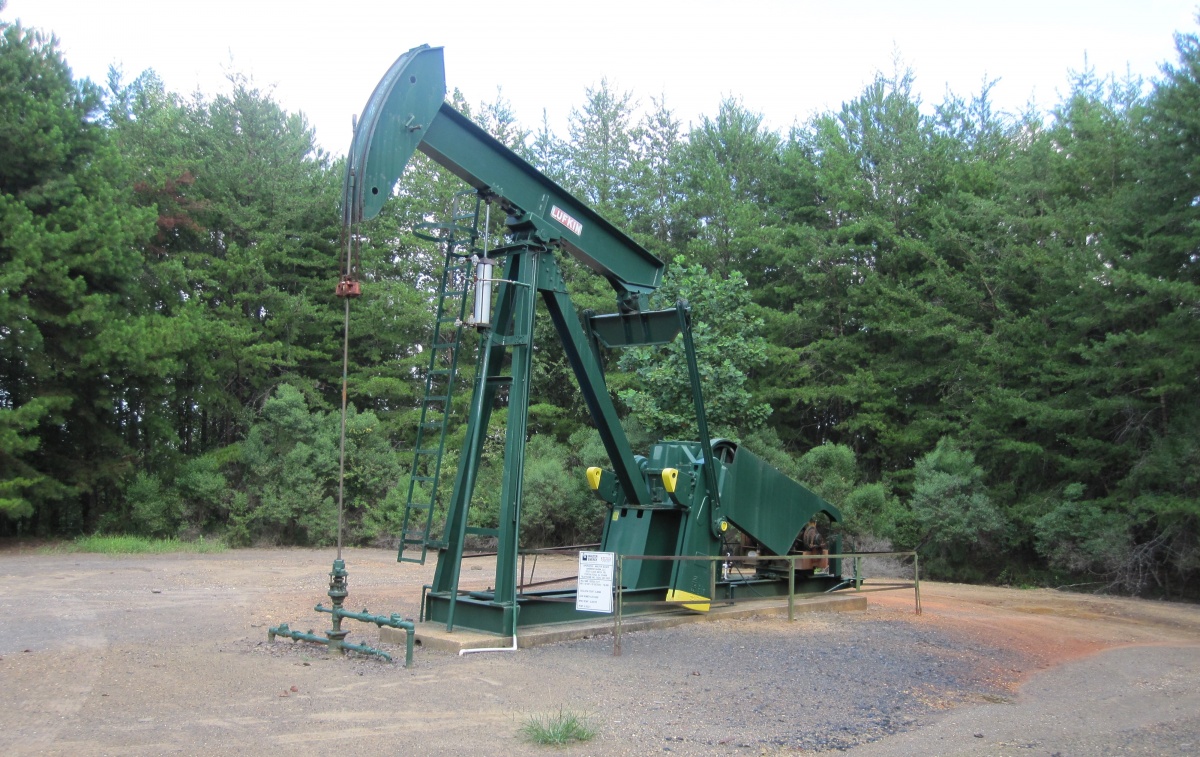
[{"x": 785, "y": 60}]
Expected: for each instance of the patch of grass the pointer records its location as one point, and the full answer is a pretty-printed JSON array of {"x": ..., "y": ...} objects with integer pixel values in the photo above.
[
  {"x": 138, "y": 545},
  {"x": 557, "y": 728}
]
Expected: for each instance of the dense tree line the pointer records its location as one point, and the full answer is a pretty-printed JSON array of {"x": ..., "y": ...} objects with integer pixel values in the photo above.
[{"x": 978, "y": 333}]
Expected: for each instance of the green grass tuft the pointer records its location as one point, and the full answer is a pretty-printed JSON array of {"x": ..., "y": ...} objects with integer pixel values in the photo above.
[
  {"x": 557, "y": 728},
  {"x": 138, "y": 545}
]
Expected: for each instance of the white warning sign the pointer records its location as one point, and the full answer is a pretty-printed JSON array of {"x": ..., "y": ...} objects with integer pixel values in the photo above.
[{"x": 595, "y": 593}]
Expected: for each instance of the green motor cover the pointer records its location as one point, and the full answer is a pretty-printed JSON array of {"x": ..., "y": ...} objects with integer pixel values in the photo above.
[{"x": 763, "y": 502}]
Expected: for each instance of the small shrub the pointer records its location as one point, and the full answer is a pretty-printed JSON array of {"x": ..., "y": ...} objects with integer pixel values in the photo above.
[
  {"x": 155, "y": 507},
  {"x": 558, "y": 728}
]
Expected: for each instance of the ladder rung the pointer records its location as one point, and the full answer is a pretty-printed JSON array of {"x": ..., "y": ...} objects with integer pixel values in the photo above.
[
  {"x": 499, "y": 380},
  {"x": 459, "y": 237},
  {"x": 480, "y": 531}
]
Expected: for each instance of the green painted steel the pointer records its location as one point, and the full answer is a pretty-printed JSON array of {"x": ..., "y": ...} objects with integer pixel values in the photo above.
[
  {"x": 536, "y": 203},
  {"x": 644, "y": 531},
  {"x": 765, "y": 503},
  {"x": 707, "y": 512},
  {"x": 459, "y": 237},
  {"x": 646, "y": 328},
  {"x": 335, "y": 638},
  {"x": 405, "y": 113},
  {"x": 391, "y": 127},
  {"x": 511, "y": 332},
  {"x": 589, "y": 374}
]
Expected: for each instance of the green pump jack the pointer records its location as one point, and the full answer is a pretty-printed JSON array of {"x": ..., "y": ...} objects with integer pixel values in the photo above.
[
  {"x": 335, "y": 637},
  {"x": 686, "y": 499}
]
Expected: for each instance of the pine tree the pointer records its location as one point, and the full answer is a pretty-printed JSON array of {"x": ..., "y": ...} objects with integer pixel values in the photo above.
[{"x": 70, "y": 260}]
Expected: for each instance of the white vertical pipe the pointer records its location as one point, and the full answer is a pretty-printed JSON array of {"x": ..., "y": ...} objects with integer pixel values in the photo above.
[
  {"x": 481, "y": 313},
  {"x": 481, "y": 316}
]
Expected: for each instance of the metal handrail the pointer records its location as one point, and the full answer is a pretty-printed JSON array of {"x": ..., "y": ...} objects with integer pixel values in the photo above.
[{"x": 856, "y": 578}]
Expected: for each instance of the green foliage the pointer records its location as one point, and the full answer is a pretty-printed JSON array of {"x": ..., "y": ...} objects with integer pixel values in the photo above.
[
  {"x": 558, "y": 728},
  {"x": 290, "y": 458},
  {"x": 15, "y": 442},
  {"x": 599, "y": 166},
  {"x": 728, "y": 346},
  {"x": 881, "y": 279},
  {"x": 71, "y": 316},
  {"x": 287, "y": 468},
  {"x": 203, "y": 489},
  {"x": 950, "y": 517},
  {"x": 139, "y": 545},
  {"x": 867, "y": 510},
  {"x": 733, "y": 167},
  {"x": 558, "y": 506},
  {"x": 659, "y": 167},
  {"x": 832, "y": 471},
  {"x": 1080, "y": 537},
  {"x": 154, "y": 509}
]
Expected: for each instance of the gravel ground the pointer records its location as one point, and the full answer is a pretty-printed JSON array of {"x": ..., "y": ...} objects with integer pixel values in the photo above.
[
  {"x": 829, "y": 681},
  {"x": 1125, "y": 701},
  {"x": 825, "y": 683},
  {"x": 168, "y": 655}
]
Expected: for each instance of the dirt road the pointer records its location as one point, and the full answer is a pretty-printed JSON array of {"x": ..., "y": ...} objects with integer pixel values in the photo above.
[{"x": 168, "y": 655}]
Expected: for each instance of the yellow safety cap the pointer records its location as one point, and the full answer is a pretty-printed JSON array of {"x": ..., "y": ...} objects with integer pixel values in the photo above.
[
  {"x": 593, "y": 478},
  {"x": 724, "y": 526},
  {"x": 670, "y": 477}
]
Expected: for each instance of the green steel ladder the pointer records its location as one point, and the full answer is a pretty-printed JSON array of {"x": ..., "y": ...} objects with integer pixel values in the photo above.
[{"x": 459, "y": 236}]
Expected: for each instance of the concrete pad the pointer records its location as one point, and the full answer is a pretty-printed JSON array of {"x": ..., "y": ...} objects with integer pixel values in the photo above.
[{"x": 435, "y": 636}]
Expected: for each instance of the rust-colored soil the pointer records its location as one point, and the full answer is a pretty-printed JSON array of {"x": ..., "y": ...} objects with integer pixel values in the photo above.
[{"x": 1047, "y": 627}]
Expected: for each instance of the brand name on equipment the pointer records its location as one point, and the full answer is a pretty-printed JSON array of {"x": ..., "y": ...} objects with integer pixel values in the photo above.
[{"x": 560, "y": 215}]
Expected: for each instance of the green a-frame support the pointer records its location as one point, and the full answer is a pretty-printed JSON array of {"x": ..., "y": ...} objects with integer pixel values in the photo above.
[{"x": 530, "y": 271}]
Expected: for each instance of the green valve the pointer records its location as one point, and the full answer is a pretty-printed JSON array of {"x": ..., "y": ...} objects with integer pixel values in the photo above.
[{"x": 335, "y": 638}]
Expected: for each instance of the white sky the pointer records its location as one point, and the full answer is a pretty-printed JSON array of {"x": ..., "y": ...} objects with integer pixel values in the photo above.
[{"x": 784, "y": 59}]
